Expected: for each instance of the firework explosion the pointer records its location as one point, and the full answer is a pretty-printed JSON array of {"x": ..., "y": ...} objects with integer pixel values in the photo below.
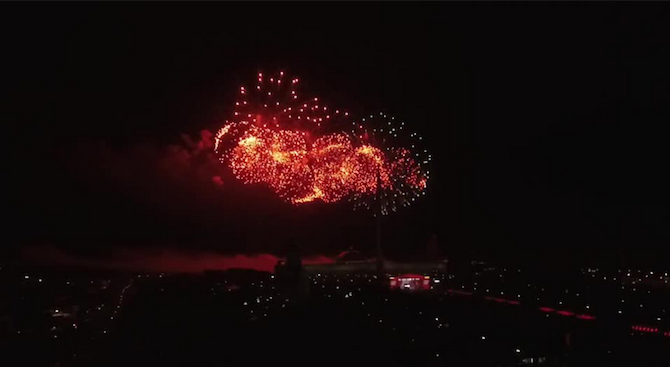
[
  {"x": 299, "y": 148},
  {"x": 400, "y": 163}
]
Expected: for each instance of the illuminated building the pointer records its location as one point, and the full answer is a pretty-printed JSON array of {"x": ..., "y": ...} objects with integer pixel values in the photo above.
[
  {"x": 354, "y": 262},
  {"x": 410, "y": 282}
]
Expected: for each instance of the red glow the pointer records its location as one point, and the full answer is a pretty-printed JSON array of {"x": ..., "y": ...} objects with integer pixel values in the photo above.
[
  {"x": 217, "y": 180},
  {"x": 645, "y": 329},
  {"x": 547, "y": 309},
  {"x": 167, "y": 261},
  {"x": 585, "y": 317},
  {"x": 565, "y": 313}
]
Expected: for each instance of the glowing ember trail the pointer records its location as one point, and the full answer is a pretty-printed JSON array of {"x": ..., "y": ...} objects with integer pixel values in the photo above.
[{"x": 299, "y": 149}]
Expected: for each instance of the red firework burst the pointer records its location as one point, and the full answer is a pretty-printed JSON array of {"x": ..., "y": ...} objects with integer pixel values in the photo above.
[{"x": 294, "y": 147}]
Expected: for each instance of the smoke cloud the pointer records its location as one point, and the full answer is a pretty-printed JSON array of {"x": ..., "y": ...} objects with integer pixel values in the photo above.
[{"x": 166, "y": 261}]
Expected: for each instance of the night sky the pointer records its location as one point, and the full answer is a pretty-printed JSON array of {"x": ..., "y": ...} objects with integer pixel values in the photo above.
[{"x": 547, "y": 123}]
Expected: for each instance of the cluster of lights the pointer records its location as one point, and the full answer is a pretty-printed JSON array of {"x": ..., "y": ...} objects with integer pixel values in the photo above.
[
  {"x": 586, "y": 313},
  {"x": 64, "y": 319},
  {"x": 339, "y": 286},
  {"x": 406, "y": 170},
  {"x": 644, "y": 329},
  {"x": 301, "y": 151},
  {"x": 264, "y": 300},
  {"x": 372, "y": 310}
]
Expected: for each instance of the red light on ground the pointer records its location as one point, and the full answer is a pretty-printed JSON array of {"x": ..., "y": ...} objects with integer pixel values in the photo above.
[
  {"x": 647, "y": 329},
  {"x": 547, "y": 309},
  {"x": 514, "y": 302},
  {"x": 565, "y": 313},
  {"x": 585, "y": 317}
]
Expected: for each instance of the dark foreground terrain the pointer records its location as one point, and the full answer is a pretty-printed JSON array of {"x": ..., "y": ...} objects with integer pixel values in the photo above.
[{"x": 349, "y": 319}]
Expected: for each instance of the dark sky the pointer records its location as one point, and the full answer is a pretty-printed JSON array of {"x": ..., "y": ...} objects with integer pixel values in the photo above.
[{"x": 548, "y": 124}]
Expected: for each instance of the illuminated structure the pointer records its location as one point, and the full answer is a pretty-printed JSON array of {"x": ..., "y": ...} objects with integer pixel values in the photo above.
[
  {"x": 354, "y": 262},
  {"x": 410, "y": 282}
]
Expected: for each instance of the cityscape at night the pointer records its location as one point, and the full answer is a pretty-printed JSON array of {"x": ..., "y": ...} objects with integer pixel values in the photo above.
[
  {"x": 438, "y": 184},
  {"x": 476, "y": 314}
]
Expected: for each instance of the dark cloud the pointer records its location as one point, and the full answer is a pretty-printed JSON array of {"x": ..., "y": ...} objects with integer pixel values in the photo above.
[{"x": 190, "y": 162}]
